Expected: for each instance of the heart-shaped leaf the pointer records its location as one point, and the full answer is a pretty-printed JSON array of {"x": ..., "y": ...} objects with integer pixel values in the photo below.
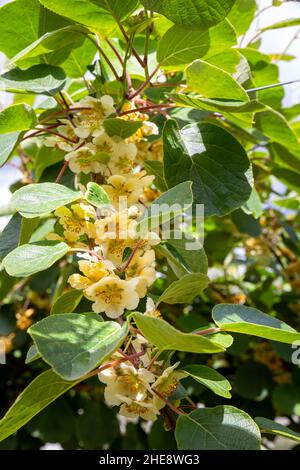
[{"x": 73, "y": 344}]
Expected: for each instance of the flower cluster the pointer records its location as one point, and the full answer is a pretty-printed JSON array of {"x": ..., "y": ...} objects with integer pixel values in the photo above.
[
  {"x": 88, "y": 147},
  {"x": 138, "y": 388},
  {"x": 117, "y": 264}
]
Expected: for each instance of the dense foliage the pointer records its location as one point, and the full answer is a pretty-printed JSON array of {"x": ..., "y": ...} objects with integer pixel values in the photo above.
[{"x": 117, "y": 336}]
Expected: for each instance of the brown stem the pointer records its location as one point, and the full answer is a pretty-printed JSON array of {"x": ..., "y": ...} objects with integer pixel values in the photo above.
[
  {"x": 167, "y": 402},
  {"x": 143, "y": 85},
  {"x": 112, "y": 364},
  {"x": 62, "y": 172},
  {"x": 154, "y": 359},
  {"x": 148, "y": 108},
  {"x": 208, "y": 331},
  {"x": 134, "y": 52},
  {"x": 111, "y": 45},
  {"x": 123, "y": 267}
]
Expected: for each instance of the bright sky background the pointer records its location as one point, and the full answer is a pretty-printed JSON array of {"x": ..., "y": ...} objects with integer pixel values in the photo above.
[{"x": 273, "y": 41}]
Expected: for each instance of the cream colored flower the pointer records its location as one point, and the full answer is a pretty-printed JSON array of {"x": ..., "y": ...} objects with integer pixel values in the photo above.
[
  {"x": 131, "y": 186},
  {"x": 142, "y": 268},
  {"x": 93, "y": 271},
  {"x": 89, "y": 121},
  {"x": 113, "y": 295},
  {"x": 67, "y": 130},
  {"x": 167, "y": 383},
  {"x": 85, "y": 160},
  {"x": 131, "y": 388},
  {"x": 123, "y": 156},
  {"x": 75, "y": 221}
]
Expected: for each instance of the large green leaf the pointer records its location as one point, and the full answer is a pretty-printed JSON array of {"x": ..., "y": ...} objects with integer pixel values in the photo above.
[
  {"x": 166, "y": 337},
  {"x": 213, "y": 82},
  {"x": 196, "y": 14},
  {"x": 184, "y": 290},
  {"x": 39, "y": 199},
  {"x": 14, "y": 120},
  {"x": 219, "y": 428},
  {"x": 73, "y": 344},
  {"x": 274, "y": 125},
  {"x": 242, "y": 15},
  {"x": 67, "y": 37},
  {"x": 168, "y": 206},
  {"x": 67, "y": 302},
  {"x": 210, "y": 378},
  {"x": 219, "y": 105},
  {"x": 42, "y": 391},
  {"x": 180, "y": 46},
  {"x": 248, "y": 320},
  {"x": 213, "y": 159},
  {"x": 271, "y": 427},
  {"x": 100, "y": 16},
  {"x": 22, "y": 23},
  {"x": 34, "y": 257}
]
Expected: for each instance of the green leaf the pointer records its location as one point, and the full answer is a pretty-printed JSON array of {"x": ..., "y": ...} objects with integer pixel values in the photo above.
[
  {"x": 32, "y": 354},
  {"x": 14, "y": 120},
  {"x": 18, "y": 117},
  {"x": 67, "y": 302},
  {"x": 22, "y": 23},
  {"x": 286, "y": 399},
  {"x": 34, "y": 257},
  {"x": 38, "y": 79},
  {"x": 28, "y": 226},
  {"x": 39, "y": 199},
  {"x": 253, "y": 381},
  {"x": 283, "y": 24},
  {"x": 242, "y": 15},
  {"x": 45, "y": 157},
  {"x": 248, "y": 320},
  {"x": 288, "y": 177},
  {"x": 271, "y": 427},
  {"x": 220, "y": 105},
  {"x": 96, "y": 416},
  {"x": 69, "y": 36},
  {"x": 212, "y": 82},
  {"x": 96, "y": 195},
  {"x": 9, "y": 237},
  {"x": 73, "y": 344},
  {"x": 185, "y": 289},
  {"x": 183, "y": 260},
  {"x": 210, "y": 378},
  {"x": 180, "y": 46},
  {"x": 273, "y": 125},
  {"x": 156, "y": 168},
  {"x": 213, "y": 159},
  {"x": 168, "y": 206},
  {"x": 100, "y": 16},
  {"x": 75, "y": 66},
  {"x": 194, "y": 14},
  {"x": 219, "y": 428},
  {"x": 120, "y": 127},
  {"x": 42, "y": 391},
  {"x": 165, "y": 337},
  {"x": 286, "y": 157}
]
